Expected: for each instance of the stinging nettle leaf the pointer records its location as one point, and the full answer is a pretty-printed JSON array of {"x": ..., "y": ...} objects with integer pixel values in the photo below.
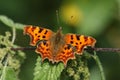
[
  {"x": 47, "y": 71},
  {"x": 6, "y": 20},
  {"x": 9, "y": 74},
  {"x": 10, "y": 23}
]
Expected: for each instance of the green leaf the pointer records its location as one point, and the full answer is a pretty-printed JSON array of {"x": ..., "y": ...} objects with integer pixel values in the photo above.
[
  {"x": 47, "y": 71},
  {"x": 9, "y": 22},
  {"x": 9, "y": 74}
]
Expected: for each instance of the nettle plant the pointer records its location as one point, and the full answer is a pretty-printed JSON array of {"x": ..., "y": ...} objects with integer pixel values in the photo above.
[{"x": 12, "y": 56}]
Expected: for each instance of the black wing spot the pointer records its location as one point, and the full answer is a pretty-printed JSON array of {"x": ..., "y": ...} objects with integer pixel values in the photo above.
[
  {"x": 40, "y": 30},
  {"x": 71, "y": 42},
  {"x": 80, "y": 42},
  {"x": 47, "y": 49},
  {"x": 39, "y": 36},
  {"x": 76, "y": 43},
  {"x": 78, "y": 37},
  {"x": 44, "y": 42},
  {"x": 72, "y": 37},
  {"x": 43, "y": 37},
  {"x": 35, "y": 34},
  {"x": 46, "y": 32}
]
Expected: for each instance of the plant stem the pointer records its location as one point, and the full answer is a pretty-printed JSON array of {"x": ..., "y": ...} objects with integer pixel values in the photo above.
[
  {"x": 96, "y": 58},
  {"x": 23, "y": 48},
  {"x": 107, "y": 49},
  {"x": 91, "y": 49},
  {"x": 4, "y": 69},
  {"x": 14, "y": 34}
]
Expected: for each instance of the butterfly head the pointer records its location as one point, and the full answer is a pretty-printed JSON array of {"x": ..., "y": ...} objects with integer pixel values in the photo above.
[
  {"x": 60, "y": 29},
  {"x": 59, "y": 32}
]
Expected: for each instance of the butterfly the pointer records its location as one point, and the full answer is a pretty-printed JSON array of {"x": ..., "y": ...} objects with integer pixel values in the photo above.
[{"x": 57, "y": 47}]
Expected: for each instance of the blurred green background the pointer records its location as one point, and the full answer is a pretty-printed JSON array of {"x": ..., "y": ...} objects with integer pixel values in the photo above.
[{"x": 97, "y": 18}]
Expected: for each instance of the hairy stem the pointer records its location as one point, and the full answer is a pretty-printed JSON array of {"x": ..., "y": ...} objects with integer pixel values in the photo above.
[
  {"x": 91, "y": 49},
  {"x": 14, "y": 34},
  {"x": 96, "y": 58},
  {"x": 23, "y": 48},
  {"x": 4, "y": 69}
]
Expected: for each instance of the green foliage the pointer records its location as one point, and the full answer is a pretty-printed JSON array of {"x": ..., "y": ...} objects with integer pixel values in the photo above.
[
  {"x": 47, "y": 71},
  {"x": 77, "y": 69},
  {"x": 10, "y": 61}
]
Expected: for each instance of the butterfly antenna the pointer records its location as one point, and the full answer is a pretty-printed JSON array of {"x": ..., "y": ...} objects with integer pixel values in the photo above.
[{"x": 58, "y": 20}]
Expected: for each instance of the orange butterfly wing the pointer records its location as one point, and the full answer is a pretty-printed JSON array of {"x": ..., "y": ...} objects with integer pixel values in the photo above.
[
  {"x": 43, "y": 35},
  {"x": 37, "y": 33},
  {"x": 79, "y": 41},
  {"x": 69, "y": 44},
  {"x": 43, "y": 48},
  {"x": 66, "y": 53}
]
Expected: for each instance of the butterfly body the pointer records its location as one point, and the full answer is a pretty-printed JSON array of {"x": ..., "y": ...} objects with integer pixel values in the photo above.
[
  {"x": 56, "y": 43},
  {"x": 57, "y": 47}
]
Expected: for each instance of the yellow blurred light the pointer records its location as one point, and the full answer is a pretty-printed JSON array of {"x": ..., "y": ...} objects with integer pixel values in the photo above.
[{"x": 71, "y": 14}]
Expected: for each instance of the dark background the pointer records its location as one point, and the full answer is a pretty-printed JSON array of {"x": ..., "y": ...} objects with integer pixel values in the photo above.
[{"x": 99, "y": 18}]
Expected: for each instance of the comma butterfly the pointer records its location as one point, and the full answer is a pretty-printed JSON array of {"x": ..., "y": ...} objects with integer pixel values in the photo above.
[{"x": 57, "y": 47}]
